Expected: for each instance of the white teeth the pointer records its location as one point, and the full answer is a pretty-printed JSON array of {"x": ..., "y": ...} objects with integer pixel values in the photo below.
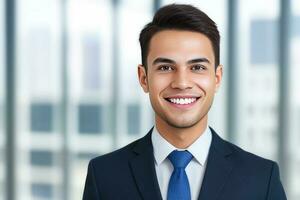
[{"x": 182, "y": 101}]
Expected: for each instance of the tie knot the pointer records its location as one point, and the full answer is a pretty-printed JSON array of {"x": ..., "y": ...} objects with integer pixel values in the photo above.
[{"x": 180, "y": 159}]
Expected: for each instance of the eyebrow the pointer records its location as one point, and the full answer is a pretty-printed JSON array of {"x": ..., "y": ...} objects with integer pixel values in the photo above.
[
  {"x": 198, "y": 60},
  {"x": 167, "y": 60}
]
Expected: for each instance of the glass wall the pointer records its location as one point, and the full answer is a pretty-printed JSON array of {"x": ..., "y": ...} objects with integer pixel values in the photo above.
[
  {"x": 2, "y": 99},
  {"x": 39, "y": 140},
  {"x": 294, "y": 82},
  {"x": 257, "y": 76},
  {"x": 89, "y": 70}
]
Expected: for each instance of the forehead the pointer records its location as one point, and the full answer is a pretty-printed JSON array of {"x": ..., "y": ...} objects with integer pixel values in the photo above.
[{"x": 182, "y": 45}]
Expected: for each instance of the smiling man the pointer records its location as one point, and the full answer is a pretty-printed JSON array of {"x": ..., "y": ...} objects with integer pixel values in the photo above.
[{"x": 181, "y": 158}]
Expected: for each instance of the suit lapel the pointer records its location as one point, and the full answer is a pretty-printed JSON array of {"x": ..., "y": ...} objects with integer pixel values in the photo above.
[
  {"x": 143, "y": 169},
  {"x": 218, "y": 169}
]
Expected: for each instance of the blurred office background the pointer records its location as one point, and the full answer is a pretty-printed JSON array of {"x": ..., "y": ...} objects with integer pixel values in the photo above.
[{"x": 69, "y": 88}]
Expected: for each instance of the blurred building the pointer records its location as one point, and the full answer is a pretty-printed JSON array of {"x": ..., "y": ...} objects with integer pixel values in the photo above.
[{"x": 77, "y": 94}]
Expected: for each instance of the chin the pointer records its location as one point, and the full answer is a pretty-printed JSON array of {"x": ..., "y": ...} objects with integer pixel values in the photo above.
[{"x": 182, "y": 124}]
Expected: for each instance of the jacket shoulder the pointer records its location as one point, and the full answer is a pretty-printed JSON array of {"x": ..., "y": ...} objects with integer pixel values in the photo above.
[
  {"x": 237, "y": 154},
  {"x": 247, "y": 156},
  {"x": 249, "y": 164},
  {"x": 116, "y": 157},
  {"x": 257, "y": 172}
]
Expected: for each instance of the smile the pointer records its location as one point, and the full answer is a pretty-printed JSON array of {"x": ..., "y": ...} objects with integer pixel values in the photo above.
[{"x": 182, "y": 101}]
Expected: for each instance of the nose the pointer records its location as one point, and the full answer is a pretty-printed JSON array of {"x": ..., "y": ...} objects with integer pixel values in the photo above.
[{"x": 181, "y": 80}]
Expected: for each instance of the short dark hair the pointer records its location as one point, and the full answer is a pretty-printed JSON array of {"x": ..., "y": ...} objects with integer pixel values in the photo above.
[{"x": 180, "y": 17}]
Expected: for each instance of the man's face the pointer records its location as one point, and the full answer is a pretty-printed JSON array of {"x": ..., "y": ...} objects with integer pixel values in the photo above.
[{"x": 181, "y": 78}]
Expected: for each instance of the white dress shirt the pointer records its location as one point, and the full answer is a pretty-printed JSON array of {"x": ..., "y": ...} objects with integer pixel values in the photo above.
[{"x": 194, "y": 170}]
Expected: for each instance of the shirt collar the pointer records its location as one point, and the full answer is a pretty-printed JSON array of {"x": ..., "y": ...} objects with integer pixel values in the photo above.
[{"x": 199, "y": 149}]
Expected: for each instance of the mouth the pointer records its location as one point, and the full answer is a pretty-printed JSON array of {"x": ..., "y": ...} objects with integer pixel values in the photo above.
[{"x": 182, "y": 102}]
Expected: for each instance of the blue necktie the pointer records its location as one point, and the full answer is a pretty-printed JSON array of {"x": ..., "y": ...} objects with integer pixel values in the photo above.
[{"x": 179, "y": 188}]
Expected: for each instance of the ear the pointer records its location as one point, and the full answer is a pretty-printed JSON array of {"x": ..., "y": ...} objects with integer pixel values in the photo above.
[
  {"x": 219, "y": 76},
  {"x": 143, "y": 78}
]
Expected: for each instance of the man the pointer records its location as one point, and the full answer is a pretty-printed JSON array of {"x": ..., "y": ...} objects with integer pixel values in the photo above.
[{"x": 181, "y": 157}]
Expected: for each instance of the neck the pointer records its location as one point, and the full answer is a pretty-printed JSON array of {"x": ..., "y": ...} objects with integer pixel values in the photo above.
[{"x": 181, "y": 138}]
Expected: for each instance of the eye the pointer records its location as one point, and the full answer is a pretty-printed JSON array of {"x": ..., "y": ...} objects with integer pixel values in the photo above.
[
  {"x": 165, "y": 68},
  {"x": 198, "y": 67}
]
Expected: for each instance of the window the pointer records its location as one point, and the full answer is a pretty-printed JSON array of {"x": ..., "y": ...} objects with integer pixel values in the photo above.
[
  {"x": 41, "y": 158},
  {"x": 295, "y": 25},
  {"x": 41, "y": 116},
  {"x": 86, "y": 156},
  {"x": 133, "y": 119},
  {"x": 90, "y": 119},
  {"x": 42, "y": 190},
  {"x": 91, "y": 61},
  {"x": 263, "y": 48}
]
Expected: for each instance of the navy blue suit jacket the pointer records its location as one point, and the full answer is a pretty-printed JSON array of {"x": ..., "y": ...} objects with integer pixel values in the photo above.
[{"x": 231, "y": 174}]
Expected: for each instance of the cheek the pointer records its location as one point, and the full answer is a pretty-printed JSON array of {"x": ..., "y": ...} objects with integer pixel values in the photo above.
[
  {"x": 158, "y": 84},
  {"x": 207, "y": 84}
]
